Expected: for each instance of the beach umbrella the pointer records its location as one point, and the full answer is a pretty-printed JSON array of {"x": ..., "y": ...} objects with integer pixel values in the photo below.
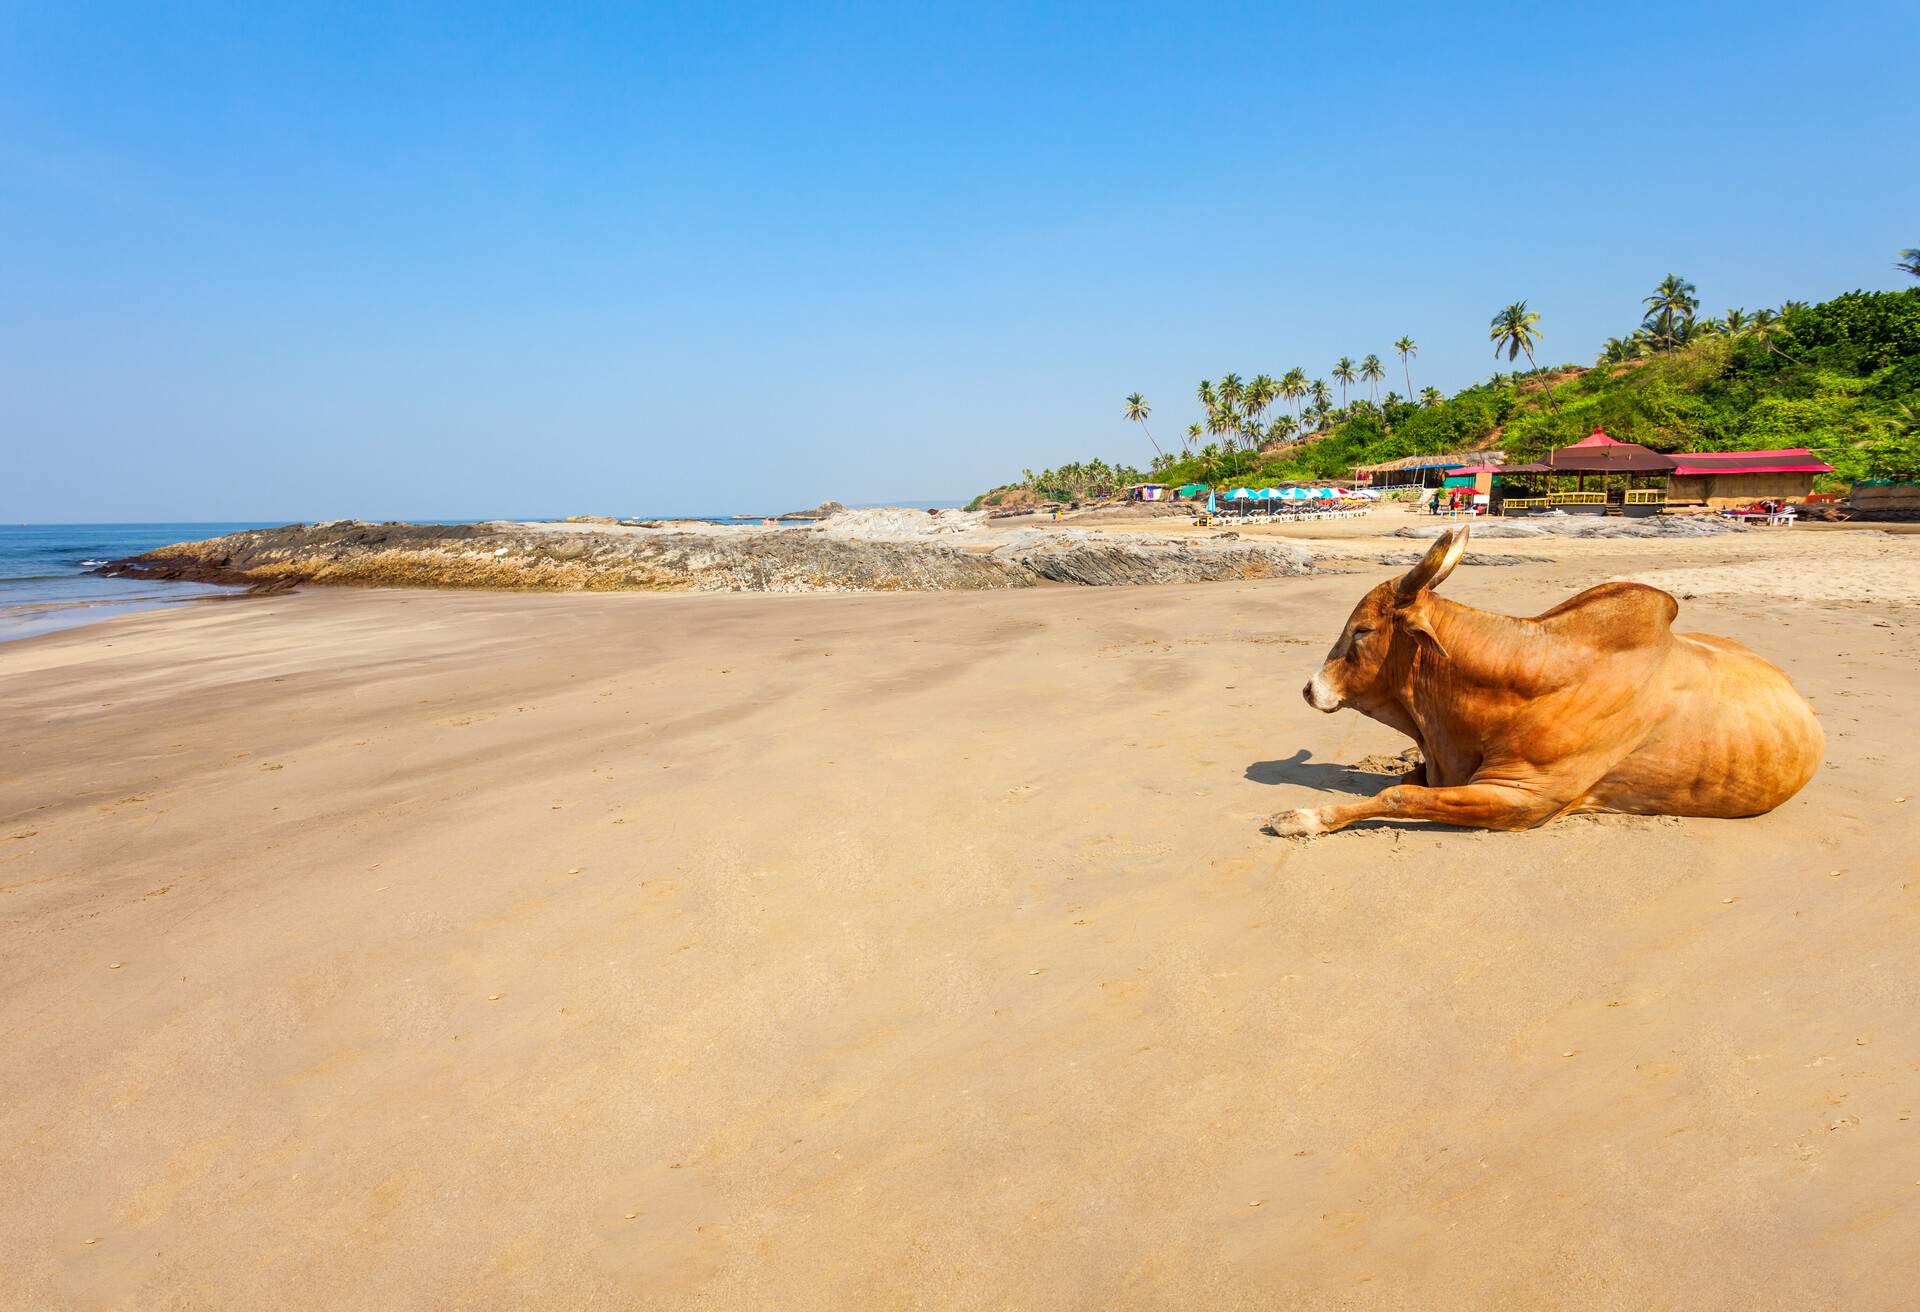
[
  {"x": 1240, "y": 494},
  {"x": 1212, "y": 509},
  {"x": 1294, "y": 493},
  {"x": 1322, "y": 493},
  {"x": 1193, "y": 489},
  {"x": 1266, "y": 494}
]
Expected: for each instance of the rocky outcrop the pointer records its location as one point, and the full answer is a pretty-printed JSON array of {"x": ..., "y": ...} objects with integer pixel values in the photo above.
[
  {"x": 825, "y": 510},
  {"x": 815, "y": 558}
]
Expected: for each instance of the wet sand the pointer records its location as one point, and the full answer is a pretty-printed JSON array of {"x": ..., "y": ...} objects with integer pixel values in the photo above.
[{"x": 378, "y": 949}]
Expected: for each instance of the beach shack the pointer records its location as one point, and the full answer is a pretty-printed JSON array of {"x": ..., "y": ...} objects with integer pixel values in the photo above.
[
  {"x": 1424, "y": 471},
  {"x": 1474, "y": 483},
  {"x": 1149, "y": 492},
  {"x": 1723, "y": 480},
  {"x": 1601, "y": 457}
]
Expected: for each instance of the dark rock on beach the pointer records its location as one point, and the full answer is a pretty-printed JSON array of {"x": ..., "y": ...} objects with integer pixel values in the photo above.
[{"x": 1471, "y": 558}]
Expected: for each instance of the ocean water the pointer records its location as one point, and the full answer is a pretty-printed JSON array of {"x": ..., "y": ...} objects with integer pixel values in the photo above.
[{"x": 44, "y": 579}]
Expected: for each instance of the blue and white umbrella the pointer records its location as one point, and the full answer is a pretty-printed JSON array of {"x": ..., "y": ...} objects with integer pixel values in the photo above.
[{"x": 1240, "y": 494}]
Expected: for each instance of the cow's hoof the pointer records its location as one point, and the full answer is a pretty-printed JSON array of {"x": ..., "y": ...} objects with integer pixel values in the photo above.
[{"x": 1295, "y": 824}]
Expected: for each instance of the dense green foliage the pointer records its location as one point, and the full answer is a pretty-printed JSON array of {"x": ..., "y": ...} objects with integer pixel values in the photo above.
[{"x": 1842, "y": 378}]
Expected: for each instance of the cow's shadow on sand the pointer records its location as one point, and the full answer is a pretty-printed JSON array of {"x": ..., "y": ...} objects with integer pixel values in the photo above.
[
  {"x": 1322, "y": 776},
  {"x": 1364, "y": 778}
]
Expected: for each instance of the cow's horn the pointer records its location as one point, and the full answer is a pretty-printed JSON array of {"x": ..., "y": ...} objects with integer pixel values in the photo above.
[{"x": 1434, "y": 567}]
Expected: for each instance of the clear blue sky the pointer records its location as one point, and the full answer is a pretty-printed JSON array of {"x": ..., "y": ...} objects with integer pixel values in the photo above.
[{"x": 474, "y": 259}]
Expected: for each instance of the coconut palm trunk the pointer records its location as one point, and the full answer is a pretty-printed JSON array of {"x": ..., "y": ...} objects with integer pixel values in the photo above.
[{"x": 1545, "y": 382}]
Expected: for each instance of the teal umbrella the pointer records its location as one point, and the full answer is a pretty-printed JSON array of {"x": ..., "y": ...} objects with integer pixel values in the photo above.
[{"x": 1212, "y": 507}]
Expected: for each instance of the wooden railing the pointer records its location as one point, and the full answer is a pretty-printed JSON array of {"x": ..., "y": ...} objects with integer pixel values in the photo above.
[
  {"x": 1647, "y": 496},
  {"x": 1511, "y": 504},
  {"x": 1577, "y": 498}
]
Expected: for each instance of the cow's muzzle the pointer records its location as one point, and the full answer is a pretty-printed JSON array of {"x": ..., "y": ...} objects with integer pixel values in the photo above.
[{"x": 1319, "y": 695}]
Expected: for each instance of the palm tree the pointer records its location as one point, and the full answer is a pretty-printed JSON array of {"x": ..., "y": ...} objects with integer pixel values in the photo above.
[
  {"x": 1194, "y": 434},
  {"x": 1672, "y": 304},
  {"x": 1431, "y": 396},
  {"x": 1736, "y": 320},
  {"x": 1343, "y": 375},
  {"x": 1222, "y": 420},
  {"x": 1408, "y": 348},
  {"x": 1293, "y": 386},
  {"x": 1788, "y": 307},
  {"x": 1515, "y": 330},
  {"x": 1765, "y": 324},
  {"x": 1909, "y": 262},
  {"x": 1230, "y": 390},
  {"x": 1371, "y": 371},
  {"x": 1282, "y": 428},
  {"x": 1137, "y": 410},
  {"x": 1322, "y": 399},
  {"x": 1260, "y": 394}
]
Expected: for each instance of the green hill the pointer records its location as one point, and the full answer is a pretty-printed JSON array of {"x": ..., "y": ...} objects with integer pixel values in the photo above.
[{"x": 1842, "y": 378}]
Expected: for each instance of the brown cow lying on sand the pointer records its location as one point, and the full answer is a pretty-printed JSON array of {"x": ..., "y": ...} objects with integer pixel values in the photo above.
[{"x": 1596, "y": 705}]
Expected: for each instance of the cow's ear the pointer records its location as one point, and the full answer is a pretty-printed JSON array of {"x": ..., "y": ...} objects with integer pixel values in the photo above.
[
  {"x": 1414, "y": 620},
  {"x": 1434, "y": 567}
]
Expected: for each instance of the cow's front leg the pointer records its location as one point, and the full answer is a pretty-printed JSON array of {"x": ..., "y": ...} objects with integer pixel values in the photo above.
[{"x": 1473, "y": 806}]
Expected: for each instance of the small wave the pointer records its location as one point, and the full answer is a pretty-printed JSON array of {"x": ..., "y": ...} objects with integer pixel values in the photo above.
[{"x": 92, "y": 564}]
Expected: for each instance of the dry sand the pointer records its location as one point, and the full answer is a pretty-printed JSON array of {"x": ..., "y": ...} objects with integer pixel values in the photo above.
[{"x": 425, "y": 950}]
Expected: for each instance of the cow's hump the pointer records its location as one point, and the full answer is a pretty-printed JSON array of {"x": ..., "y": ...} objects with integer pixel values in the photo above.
[{"x": 1614, "y": 616}]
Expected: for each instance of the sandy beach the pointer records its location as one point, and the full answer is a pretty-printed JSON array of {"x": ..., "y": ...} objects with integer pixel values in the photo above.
[{"x": 421, "y": 949}]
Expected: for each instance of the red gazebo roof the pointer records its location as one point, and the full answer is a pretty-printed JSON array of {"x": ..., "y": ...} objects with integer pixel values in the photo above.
[{"x": 1598, "y": 453}]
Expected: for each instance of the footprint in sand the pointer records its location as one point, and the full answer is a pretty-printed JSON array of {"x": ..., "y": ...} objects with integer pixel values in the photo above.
[{"x": 1022, "y": 790}]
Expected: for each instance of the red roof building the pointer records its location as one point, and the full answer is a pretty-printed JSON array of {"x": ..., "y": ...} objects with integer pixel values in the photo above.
[
  {"x": 1719, "y": 479},
  {"x": 1789, "y": 460}
]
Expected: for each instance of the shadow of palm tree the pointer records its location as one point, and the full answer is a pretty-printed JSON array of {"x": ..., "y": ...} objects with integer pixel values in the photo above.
[{"x": 1322, "y": 775}]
